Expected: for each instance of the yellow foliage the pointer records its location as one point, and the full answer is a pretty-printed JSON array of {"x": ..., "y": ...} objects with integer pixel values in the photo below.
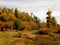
[{"x": 11, "y": 15}]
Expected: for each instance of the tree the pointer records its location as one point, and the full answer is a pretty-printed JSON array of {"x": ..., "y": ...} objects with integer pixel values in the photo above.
[
  {"x": 51, "y": 21},
  {"x": 37, "y": 21},
  {"x": 3, "y": 18},
  {"x": 18, "y": 25},
  {"x": 16, "y": 12}
]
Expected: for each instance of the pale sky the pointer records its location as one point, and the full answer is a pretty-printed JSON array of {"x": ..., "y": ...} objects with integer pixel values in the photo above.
[{"x": 37, "y": 7}]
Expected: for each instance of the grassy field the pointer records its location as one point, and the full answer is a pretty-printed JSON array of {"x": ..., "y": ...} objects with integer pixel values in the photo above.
[
  {"x": 6, "y": 38},
  {"x": 28, "y": 38}
]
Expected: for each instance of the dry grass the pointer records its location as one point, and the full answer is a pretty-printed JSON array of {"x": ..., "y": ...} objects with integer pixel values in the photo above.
[{"x": 28, "y": 38}]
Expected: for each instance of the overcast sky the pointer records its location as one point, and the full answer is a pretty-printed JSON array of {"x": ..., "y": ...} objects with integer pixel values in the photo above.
[{"x": 37, "y": 7}]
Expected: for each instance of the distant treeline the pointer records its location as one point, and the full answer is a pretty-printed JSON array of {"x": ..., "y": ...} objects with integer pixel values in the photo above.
[{"x": 13, "y": 19}]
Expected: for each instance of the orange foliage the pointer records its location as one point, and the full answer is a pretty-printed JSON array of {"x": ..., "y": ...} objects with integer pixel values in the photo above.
[
  {"x": 46, "y": 29},
  {"x": 30, "y": 25},
  {"x": 11, "y": 15},
  {"x": 6, "y": 25},
  {"x": 2, "y": 25}
]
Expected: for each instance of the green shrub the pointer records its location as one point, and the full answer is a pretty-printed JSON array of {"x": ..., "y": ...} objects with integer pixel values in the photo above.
[
  {"x": 3, "y": 18},
  {"x": 18, "y": 25}
]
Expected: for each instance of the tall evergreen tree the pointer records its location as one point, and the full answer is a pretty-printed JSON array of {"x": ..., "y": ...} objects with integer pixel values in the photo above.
[
  {"x": 49, "y": 19},
  {"x": 16, "y": 12}
]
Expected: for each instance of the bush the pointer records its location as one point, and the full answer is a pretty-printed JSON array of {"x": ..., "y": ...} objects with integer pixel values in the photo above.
[
  {"x": 3, "y": 18},
  {"x": 30, "y": 25},
  {"x": 42, "y": 32},
  {"x": 58, "y": 31},
  {"x": 18, "y": 25},
  {"x": 45, "y": 31}
]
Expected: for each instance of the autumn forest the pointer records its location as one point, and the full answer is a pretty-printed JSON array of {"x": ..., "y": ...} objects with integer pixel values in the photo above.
[{"x": 22, "y": 28}]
